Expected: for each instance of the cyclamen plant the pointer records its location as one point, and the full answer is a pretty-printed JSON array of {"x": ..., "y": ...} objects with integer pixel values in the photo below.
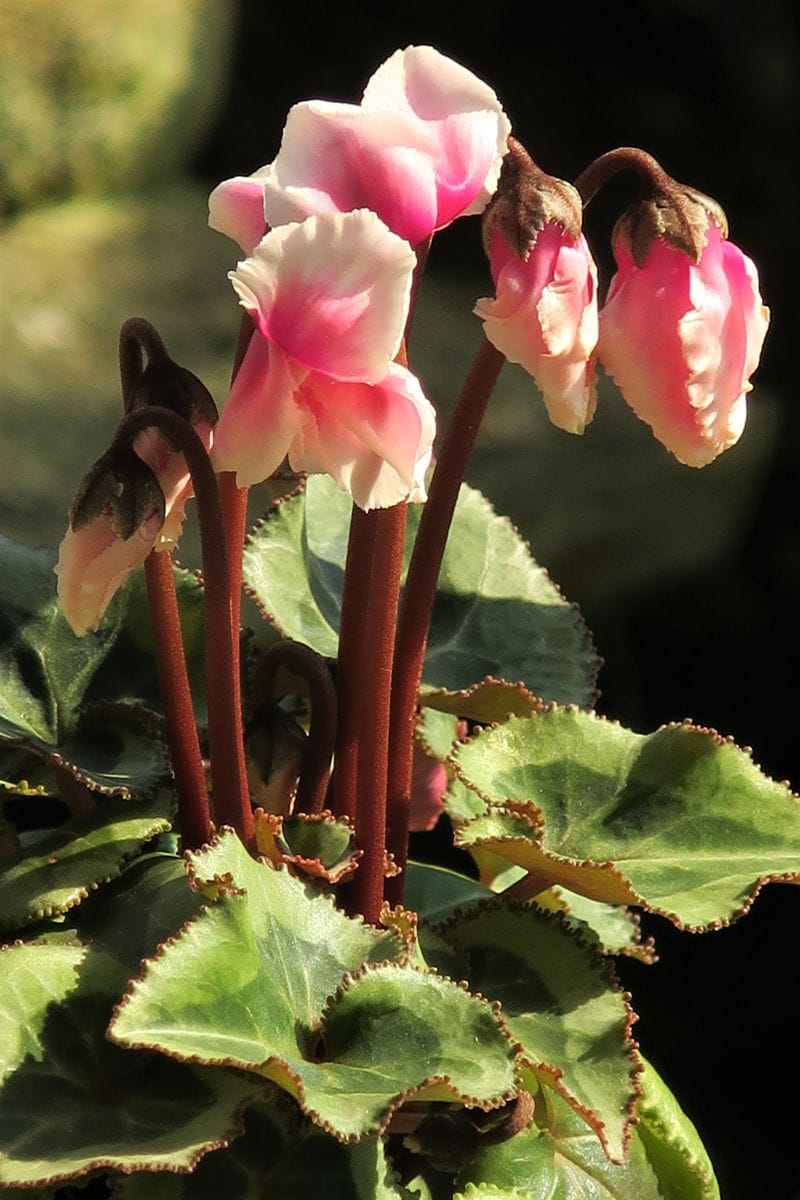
[{"x": 221, "y": 975}]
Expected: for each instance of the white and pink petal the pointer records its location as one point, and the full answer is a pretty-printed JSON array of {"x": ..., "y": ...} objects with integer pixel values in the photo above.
[
  {"x": 373, "y": 440},
  {"x": 260, "y": 419},
  {"x": 236, "y": 208},
  {"x": 93, "y": 563},
  {"x": 459, "y": 111},
  {"x": 332, "y": 292},
  {"x": 544, "y": 317},
  {"x": 340, "y": 157}
]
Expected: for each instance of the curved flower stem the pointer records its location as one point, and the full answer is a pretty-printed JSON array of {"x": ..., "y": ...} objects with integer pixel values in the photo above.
[
  {"x": 194, "y": 816},
  {"x": 184, "y": 745},
  {"x": 136, "y": 335},
  {"x": 624, "y": 158},
  {"x": 349, "y": 675},
  {"x": 233, "y": 500},
  {"x": 315, "y": 771},
  {"x": 228, "y": 776},
  {"x": 420, "y": 592},
  {"x": 378, "y": 633}
]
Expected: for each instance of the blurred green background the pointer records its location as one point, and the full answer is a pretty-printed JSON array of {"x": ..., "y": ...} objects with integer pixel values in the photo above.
[{"x": 115, "y": 121}]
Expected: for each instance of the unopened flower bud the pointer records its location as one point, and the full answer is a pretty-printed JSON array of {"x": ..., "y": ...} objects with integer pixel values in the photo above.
[
  {"x": 683, "y": 324},
  {"x": 165, "y": 383},
  {"x": 673, "y": 214},
  {"x": 544, "y": 315},
  {"x": 526, "y": 200},
  {"x": 133, "y": 499},
  {"x": 115, "y": 518},
  {"x": 119, "y": 486}
]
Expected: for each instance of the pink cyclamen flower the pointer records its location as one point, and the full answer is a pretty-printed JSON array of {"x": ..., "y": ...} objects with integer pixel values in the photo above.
[
  {"x": 236, "y": 208},
  {"x": 329, "y": 299},
  {"x": 682, "y": 338},
  {"x": 429, "y": 782},
  {"x": 428, "y": 785},
  {"x": 544, "y": 316},
  {"x": 424, "y": 147},
  {"x": 94, "y": 560}
]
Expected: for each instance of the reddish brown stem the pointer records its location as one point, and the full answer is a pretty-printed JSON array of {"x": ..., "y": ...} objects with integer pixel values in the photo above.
[
  {"x": 315, "y": 771},
  {"x": 375, "y": 685},
  {"x": 234, "y": 514},
  {"x": 624, "y": 158},
  {"x": 182, "y": 739},
  {"x": 420, "y": 592},
  {"x": 355, "y": 602},
  {"x": 233, "y": 501},
  {"x": 422, "y": 251},
  {"x": 228, "y": 775}
]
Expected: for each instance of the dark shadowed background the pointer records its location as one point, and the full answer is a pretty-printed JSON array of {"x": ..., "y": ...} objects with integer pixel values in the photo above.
[{"x": 689, "y": 580}]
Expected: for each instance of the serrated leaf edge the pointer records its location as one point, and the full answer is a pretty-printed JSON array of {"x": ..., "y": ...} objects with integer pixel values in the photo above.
[
  {"x": 82, "y": 892},
  {"x": 605, "y": 968},
  {"x": 401, "y": 1098},
  {"x": 531, "y": 812}
]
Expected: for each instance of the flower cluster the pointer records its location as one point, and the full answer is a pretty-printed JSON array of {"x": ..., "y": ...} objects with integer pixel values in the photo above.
[
  {"x": 352, "y": 189},
  {"x": 335, "y": 231},
  {"x": 682, "y": 326}
]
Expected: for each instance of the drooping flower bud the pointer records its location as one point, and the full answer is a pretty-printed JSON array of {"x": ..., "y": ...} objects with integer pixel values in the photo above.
[
  {"x": 132, "y": 501},
  {"x": 544, "y": 315},
  {"x": 114, "y": 521},
  {"x": 166, "y": 384},
  {"x": 683, "y": 324}
]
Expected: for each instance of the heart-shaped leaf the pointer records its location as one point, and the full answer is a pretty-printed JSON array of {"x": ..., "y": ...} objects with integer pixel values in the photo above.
[
  {"x": 615, "y": 929},
  {"x": 434, "y": 892},
  {"x": 60, "y": 869},
  {"x": 350, "y": 1048},
  {"x": 679, "y": 821},
  {"x": 278, "y": 1155},
  {"x": 50, "y": 679},
  {"x": 672, "y": 1144},
  {"x": 496, "y": 614},
  {"x": 487, "y": 702},
  {"x": 562, "y": 1003},
  {"x": 314, "y": 844},
  {"x": 128, "y": 673},
  {"x": 558, "y": 1158},
  {"x": 71, "y": 1102},
  {"x": 44, "y": 669}
]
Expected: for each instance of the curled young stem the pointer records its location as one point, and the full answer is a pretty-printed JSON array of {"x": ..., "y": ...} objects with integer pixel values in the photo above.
[
  {"x": 315, "y": 771},
  {"x": 135, "y": 336}
]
